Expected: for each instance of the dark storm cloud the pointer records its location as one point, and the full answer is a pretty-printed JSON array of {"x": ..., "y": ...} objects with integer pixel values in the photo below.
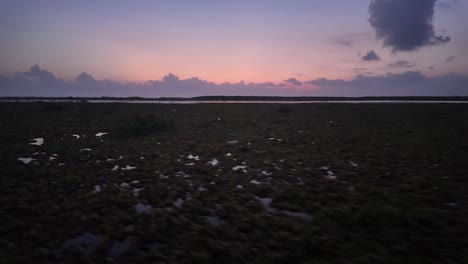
[
  {"x": 411, "y": 83},
  {"x": 293, "y": 81},
  {"x": 400, "y": 64},
  {"x": 371, "y": 56},
  {"x": 404, "y": 25},
  {"x": 450, "y": 59}
]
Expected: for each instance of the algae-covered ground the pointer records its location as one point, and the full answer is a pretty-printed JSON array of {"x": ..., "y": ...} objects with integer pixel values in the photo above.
[{"x": 233, "y": 183}]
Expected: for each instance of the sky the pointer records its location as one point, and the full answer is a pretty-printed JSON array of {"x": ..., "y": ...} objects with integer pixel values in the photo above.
[{"x": 243, "y": 47}]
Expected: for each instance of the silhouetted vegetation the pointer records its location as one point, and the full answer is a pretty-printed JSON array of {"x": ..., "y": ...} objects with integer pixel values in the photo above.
[
  {"x": 232, "y": 183},
  {"x": 144, "y": 125}
]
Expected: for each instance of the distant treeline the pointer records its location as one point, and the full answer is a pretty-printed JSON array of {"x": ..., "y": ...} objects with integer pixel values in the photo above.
[{"x": 251, "y": 98}]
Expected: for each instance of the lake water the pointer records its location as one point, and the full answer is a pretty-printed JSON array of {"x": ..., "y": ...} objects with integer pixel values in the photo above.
[{"x": 238, "y": 102}]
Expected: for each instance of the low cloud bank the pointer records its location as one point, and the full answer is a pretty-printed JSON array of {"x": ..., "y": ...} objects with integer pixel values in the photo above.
[{"x": 40, "y": 82}]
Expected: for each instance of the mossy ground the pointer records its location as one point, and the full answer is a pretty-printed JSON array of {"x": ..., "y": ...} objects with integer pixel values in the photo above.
[{"x": 399, "y": 196}]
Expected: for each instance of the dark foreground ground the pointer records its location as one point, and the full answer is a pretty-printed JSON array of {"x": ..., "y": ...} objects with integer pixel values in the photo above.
[{"x": 212, "y": 183}]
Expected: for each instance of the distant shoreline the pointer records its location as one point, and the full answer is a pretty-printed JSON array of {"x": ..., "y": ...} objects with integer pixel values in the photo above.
[{"x": 259, "y": 99}]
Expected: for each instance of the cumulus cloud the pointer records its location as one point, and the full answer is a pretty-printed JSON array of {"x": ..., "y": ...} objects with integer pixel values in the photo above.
[
  {"x": 371, "y": 56},
  {"x": 411, "y": 83},
  {"x": 293, "y": 81},
  {"x": 404, "y": 25},
  {"x": 39, "y": 82},
  {"x": 448, "y": 3},
  {"x": 400, "y": 64}
]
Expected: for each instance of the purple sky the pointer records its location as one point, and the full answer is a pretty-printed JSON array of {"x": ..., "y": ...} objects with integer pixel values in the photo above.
[{"x": 255, "y": 47}]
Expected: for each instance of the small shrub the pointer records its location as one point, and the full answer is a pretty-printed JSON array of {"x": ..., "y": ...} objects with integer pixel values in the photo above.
[
  {"x": 54, "y": 107},
  {"x": 284, "y": 109},
  {"x": 144, "y": 125}
]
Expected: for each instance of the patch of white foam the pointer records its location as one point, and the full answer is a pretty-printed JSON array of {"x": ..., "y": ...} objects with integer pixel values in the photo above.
[
  {"x": 124, "y": 185},
  {"x": 100, "y": 134},
  {"x": 266, "y": 173},
  {"x": 213, "y": 162},
  {"x": 232, "y": 142},
  {"x": 76, "y": 136},
  {"x": 52, "y": 158},
  {"x": 190, "y": 156},
  {"x": 37, "y": 141},
  {"x": 228, "y": 155},
  {"x": 110, "y": 160},
  {"x": 85, "y": 149},
  {"x": 116, "y": 167},
  {"x": 239, "y": 186},
  {"x": 25, "y": 160},
  {"x": 189, "y": 164},
  {"x": 353, "y": 164}
]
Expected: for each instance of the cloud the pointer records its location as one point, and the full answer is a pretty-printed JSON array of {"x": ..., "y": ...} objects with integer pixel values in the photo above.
[
  {"x": 447, "y": 3},
  {"x": 411, "y": 83},
  {"x": 39, "y": 82},
  {"x": 400, "y": 64},
  {"x": 371, "y": 56},
  {"x": 341, "y": 41},
  {"x": 404, "y": 25},
  {"x": 293, "y": 81},
  {"x": 450, "y": 59}
]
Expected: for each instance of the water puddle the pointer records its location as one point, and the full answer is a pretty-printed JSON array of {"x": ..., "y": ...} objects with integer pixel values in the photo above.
[
  {"x": 37, "y": 141},
  {"x": 240, "y": 167},
  {"x": 179, "y": 202},
  {"x": 119, "y": 247},
  {"x": 213, "y": 220},
  {"x": 86, "y": 242},
  {"x": 213, "y": 162},
  {"x": 128, "y": 168},
  {"x": 190, "y": 157},
  {"x": 266, "y": 201},
  {"x": 255, "y": 182},
  {"x": 25, "y": 160},
  {"x": 142, "y": 208},
  {"x": 97, "y": 189}
]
